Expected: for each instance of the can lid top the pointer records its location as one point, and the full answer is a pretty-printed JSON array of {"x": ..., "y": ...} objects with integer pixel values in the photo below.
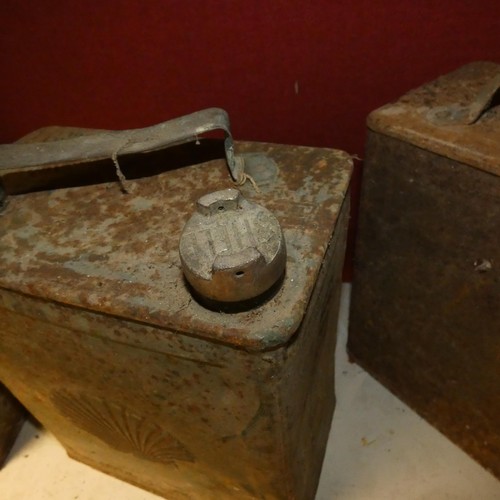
[
  {"x": 456, "y": 115},
  {"x": 97, "y": 249}
]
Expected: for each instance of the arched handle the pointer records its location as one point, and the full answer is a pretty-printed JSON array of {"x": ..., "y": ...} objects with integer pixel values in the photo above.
[
  {"x": 456, "y": 114},
  {"x": 109, "y": 144}
]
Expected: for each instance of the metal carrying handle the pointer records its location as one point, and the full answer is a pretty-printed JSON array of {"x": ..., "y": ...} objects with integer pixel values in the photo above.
[
  {"x": 108, "y": 144},
  {"x": 469, "y": 114},
  {"x": 483, "y": 101}
]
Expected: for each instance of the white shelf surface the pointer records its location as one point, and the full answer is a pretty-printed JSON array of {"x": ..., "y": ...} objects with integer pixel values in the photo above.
[{"x": 378, "y": 449}]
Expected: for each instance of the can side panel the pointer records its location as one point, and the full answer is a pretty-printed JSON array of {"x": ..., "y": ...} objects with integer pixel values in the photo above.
[
  {"x": 12, "y": 416},
  {"x": 308, "y": 384},
  {"x": 180, "y": 416},
  {"x": 424, "y": 310}
]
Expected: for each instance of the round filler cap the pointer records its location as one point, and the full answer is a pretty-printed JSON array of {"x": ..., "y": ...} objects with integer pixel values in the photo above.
[{"x": 231, "y": 249}]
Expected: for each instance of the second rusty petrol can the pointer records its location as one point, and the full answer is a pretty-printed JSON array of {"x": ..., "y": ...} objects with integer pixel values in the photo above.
[
  {"x": 106, "y": 343},
  {"x": 425, "y": 315}
]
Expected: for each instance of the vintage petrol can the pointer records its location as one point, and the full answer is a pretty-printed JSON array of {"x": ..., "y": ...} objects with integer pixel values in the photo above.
[
  {"x": 425, "y": 312},
  {"x": 105, "y": 341}
]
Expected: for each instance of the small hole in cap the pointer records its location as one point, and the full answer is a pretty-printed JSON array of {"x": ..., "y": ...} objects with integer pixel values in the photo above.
[{"x": 239, "y": 274}]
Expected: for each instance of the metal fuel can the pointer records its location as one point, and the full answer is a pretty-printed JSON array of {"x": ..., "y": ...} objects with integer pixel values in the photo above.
[
  {"x": 176, "y": 328},
  {"x": 425, "y": 315}
]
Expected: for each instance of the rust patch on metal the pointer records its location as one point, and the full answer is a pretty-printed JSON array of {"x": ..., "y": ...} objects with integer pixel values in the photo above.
[
  {"x": 455, "y": 116},
  {"x": 97, "y": 248}
]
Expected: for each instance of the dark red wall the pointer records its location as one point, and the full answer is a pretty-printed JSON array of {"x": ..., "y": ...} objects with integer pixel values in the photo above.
[{"x": 131, "y": 63}]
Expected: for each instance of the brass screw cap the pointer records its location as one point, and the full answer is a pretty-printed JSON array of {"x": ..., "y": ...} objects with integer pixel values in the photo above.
[{"x": 231, "y": 249}]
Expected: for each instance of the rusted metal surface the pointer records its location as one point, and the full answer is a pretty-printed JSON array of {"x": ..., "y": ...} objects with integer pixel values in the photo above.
[
  {"x": 138, "y": 379},
  {"x": 455, "y": 116},
  {"x": 92, "y": 236},
  {"x": 424, "y": 317},
  {"x": 12, "y": 416}
]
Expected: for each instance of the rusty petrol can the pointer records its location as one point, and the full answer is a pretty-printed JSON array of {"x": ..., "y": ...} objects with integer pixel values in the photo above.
[
  {"x": 425, "y": 315},
  {"x": 106, "y": 343}
]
